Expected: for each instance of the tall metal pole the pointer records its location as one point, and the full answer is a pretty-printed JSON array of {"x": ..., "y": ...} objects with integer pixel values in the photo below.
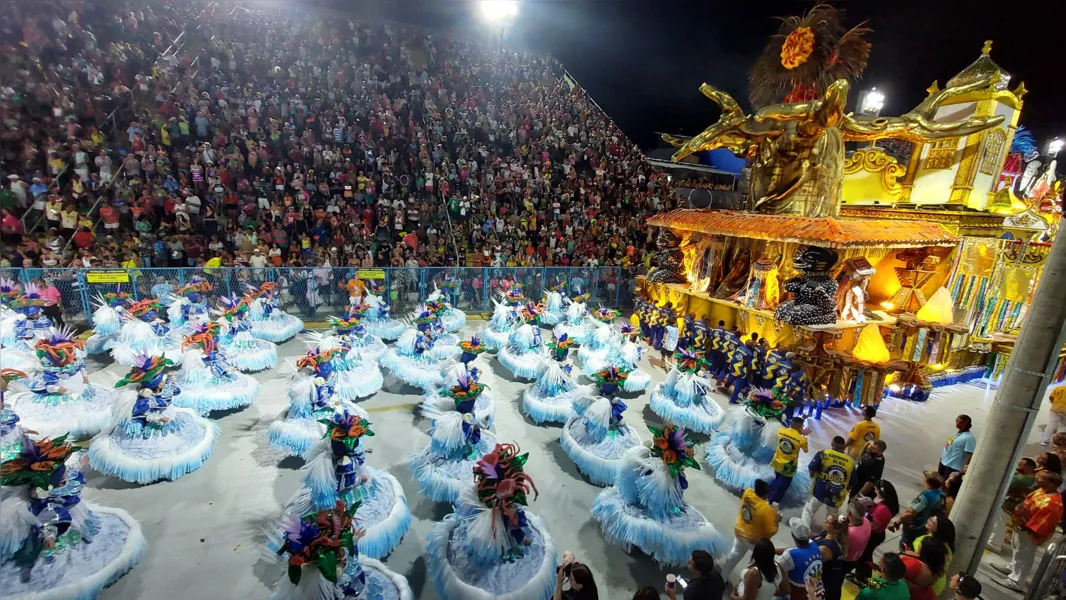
[{"x": 1013, "y": 413}]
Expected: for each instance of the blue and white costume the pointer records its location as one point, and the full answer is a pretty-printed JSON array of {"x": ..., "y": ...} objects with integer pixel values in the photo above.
[
  {"x": 438, "y": 401},
  {"x": 378, "y": 321},
  {"x": 207, "y": 381},
  {"x": 236, "y": 342},
  {"x": 596, "y": 437},
  {"x": 151, "y": 439},
  {"x": 646, "y": 508},
  {"x": 59, "y": 399},
  {"x": 554, "y": 308},
  {"x": 523, "y": 355},
  {"x": 620, "y": 353},
  {"x": 53, "y": 543},
  {"x": 353, "y": 375},
  {"x": 413, "y": 360},
  {"x": 107, "y": 322},
  {"x": 311, "y": 399},
  {"x": 596, "y": 345},
  {"x": 446, "y": 465},
  {"x": 577, "y": 324},
  {"x": 20, "y": 331},
  {"x": 550, "y": 399},
  {"x": 451, "y": 319},
  {"x": 188, "y": 309},
  {"x": 366, "y": 346},
  {"x": 497, "y": 332},
  {"x": 492, "y": 547},
  {"x": 335, "y": 471},
  {"x": 145, "y": 334},
  {"x": 741, "y": 452},
  {"x": 268, "y": 321},
  {"x": 683, "y": 398}
]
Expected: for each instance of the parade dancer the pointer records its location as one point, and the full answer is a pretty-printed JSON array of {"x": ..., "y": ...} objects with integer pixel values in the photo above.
[
  {"x": 236, "y": 343},
  {"x": 53, "y": 543},
  {"x": 577, "y": 323},
  {"x": 207, "y": 381},
  {"x": 497, "y": 332},
  {"x": 188, "y": 307},
  {"x": 412, "y": 360},
  {"x": 312, "y": 399},
  {"x": 59, "y": 399},
  {"x": 355, "y": 376},
  {"x": 21, "y": 330},
  {"x": 151, "y": 439},
  {"x": 554, "y": 308},
  {"x": 452, "y": 319},
  {"x": 746, "y": 448},
  {"x": 646, "y": 507},
  {"x": 107, "y": 321},
  {"x": 336, "y": 473},
  {"x": 596, "y": 437},
  {"x": 438, "y": 400},
  {"x": 378, "y": 321},
  {"x": 550, "y": 399},
  {"x": 683, "y": 398},
  {"x": 622, "y": 352},
  {"x": 145, "y": 333},
  {"x": 492, "y": 547},
  {"x": 523, "y": 355},
  {"x": 268, "y": 321},
  {"x": 445, "y": 466},
  {"x": 353, "y": 334}
]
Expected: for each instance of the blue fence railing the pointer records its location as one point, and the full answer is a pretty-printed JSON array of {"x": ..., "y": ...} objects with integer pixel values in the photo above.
[{"x": 316, "y": 292}]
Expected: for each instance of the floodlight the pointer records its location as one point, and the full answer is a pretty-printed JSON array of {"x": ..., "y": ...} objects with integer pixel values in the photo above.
[{"x": 498, "y": 12}]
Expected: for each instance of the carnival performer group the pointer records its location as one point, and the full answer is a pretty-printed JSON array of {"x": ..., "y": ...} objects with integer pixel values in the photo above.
[
  {"x": 236, "y": 341},
  {"x": 207, "y": 380}
]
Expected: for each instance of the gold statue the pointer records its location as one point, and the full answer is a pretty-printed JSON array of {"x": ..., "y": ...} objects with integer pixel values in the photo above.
[{"x": 797, "y": 150}]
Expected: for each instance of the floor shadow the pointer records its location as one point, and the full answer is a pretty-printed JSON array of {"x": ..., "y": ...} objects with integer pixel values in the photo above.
[
  {"x": 106, "y": 482},
  {"x": 291, "y": 463},
  {"x": 417, "y": 576},
  {"x": 562, "y": 460}
]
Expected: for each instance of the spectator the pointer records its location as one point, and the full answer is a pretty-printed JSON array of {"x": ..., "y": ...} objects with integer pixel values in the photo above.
[
  {"x": 833, "y": 545},
  {"x": 859, "y": 532},
  {"x": 927, "y": 504},
  {"x": 870, "y": 468},
  {"x": 959, "y": 448},
  {"x": 756, "y": 520},
  {"x": 53, "y": 300},
  {"x": 1056, "y": 415},
  {"x": 864, "y": 432},
  {"x": 884, "y": 507},
  {"x": 1021, "y": 483},
  {"x": 707, "y": 583},
  {"x": 890, "y": 585},
  {"x": 965, "y": 587},
  {"x": 951, "y": 489},
  {"x": 1034, "y": 523},
  {"x": 940, "y": 531},
  {"x": 801, "y": 561},
  {"x": 646, "y": 593},
  {"x": 581, "y": 584},
  {"x": 1048, "y": 461},
  {"x": 762, "y": 579},
  {"x": 923, "y": 570}
]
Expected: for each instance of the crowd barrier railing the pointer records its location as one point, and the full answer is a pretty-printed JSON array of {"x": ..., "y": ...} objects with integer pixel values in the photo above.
[{"x": 314, "y": 293}]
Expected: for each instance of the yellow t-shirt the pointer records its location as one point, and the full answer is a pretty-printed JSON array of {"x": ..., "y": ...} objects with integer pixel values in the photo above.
[
  {"x": 789, "y": 444},
  {"x": 756, "y": 518},
  {"x": 861, "y": 433},
  {"x": 1058, "y": 399}
]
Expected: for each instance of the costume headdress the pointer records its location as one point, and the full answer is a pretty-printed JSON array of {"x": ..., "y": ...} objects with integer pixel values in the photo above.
[
  {"x": 503, "y": 486},
  {"x": 675, "y": 448},
  {"x": 466, "y": 391},
  {"x": 9, "y": 290},
  {"x": 146, "y": 372},
  {"x": 30, "y": 300},
  {"x": 204, "y": 336},
  {"x": 40, "y": 464},
  {"x": 59, "y": 347},
  {"x": 325, "y": 539},
  {"x": 346, "y": 429}
]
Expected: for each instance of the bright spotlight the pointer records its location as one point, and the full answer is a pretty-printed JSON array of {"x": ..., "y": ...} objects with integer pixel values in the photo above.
[
  {"x": 872, "y": 102},
  {"x": 1054, "y": 146},
  {"x": 498, "y": 12}
]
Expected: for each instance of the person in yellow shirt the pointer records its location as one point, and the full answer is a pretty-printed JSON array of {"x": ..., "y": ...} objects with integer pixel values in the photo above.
[
  {"x": 1057, "y": 414},
  {"x": 864, "y": 432},
  {"x": 755, "y": 520},
  {"x": 790, "y": 442}
]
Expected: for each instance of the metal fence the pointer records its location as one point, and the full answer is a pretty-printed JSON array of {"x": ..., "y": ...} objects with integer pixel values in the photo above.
[{"x": 314, "y": 293}]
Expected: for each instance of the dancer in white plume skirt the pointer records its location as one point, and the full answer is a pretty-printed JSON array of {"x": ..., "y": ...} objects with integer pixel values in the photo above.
[
  {"x": 354, "y": 375},
  {"x": 207, "y": 381},
  {"x": 57, "y": 398},
  {"x": 550, "y": 399},
  {"x": 151, "y": 439},
  {"x": 438, "y": 400},
  {"x": 446, "y": 465},
  {"x": 622, "y": 352},
  {"x": 492, "y": 547},
  {"x": 378, "y": 321},
  {"x": 145, "y": 333},
  {"x": 54, "y": 544},
  {"x": 107, "y": 321},
  {"x": 312, "y": 398},
  {"x": 554, "y": 307},
  {"x": 646, "y": 507},
  {"x": 498, "y": 330},
  {"x": 577, "y": 324},
  {"x": 523, "y": 355},
  {"x": 439, "y": 301},
  {"x": 335, "y": 476},
  {"x": 596, "y": 437},
  {"x": 268, "y": 321},
  {"x": 188, "y": 308},
  {"x": 682, "y": 399},
  {"x": 236, "y": 343},
  {"x": 744, "y": 447},
  {"x": 368, "y": 347}
]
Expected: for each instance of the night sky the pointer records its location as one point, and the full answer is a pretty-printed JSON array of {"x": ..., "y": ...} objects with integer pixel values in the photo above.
[{"x": 643, "y": 60}]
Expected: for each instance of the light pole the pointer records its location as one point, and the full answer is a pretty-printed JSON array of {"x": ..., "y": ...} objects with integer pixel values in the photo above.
[{"x": 498, "y": 14}]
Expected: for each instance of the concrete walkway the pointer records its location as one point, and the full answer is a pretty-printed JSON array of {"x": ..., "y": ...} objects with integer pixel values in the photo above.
[{"x": 206, "y": 531}]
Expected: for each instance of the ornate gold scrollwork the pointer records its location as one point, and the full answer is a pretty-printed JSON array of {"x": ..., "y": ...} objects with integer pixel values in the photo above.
[{"x": 873, "y": 160}]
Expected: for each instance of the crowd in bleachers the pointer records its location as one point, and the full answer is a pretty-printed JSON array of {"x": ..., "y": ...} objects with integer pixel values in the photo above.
[{"x": 263, "y": 140}]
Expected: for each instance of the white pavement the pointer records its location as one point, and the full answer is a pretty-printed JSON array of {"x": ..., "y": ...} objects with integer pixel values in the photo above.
[{"x": 206, "y": 531}]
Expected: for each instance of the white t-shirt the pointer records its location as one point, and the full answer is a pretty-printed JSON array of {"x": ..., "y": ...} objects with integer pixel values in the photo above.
[{"x": 257, "y": 261}]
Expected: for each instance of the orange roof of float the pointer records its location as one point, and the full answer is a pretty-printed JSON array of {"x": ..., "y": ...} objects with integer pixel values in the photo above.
[{"x": 826, "y": 232}]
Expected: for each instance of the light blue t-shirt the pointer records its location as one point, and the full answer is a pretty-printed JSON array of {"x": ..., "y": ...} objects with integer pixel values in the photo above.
[{"x": 955, "y": 450}]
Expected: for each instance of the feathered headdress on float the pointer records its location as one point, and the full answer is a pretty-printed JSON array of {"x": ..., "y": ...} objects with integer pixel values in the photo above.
[
  {"x": 560, "y": 347},
  {"x": 450, "y": 283},
  {"x": 687, "y": 360},
  {"x": 9, "y": 290},
  {"x": 147, "y": 372},
  {"x": 806, "y": 55},
  {"x": 59, "y": 347},
  {"x": 503, "y": 486},
  {"x": 466, "y": 390},
  {"x": 675, "y": 448},
  {"x": 40, "y": 464},
  {"x": 264, "y": 289},
  {"x": 204, "y": 336},
  {"x": 766, "y": 403},
  {"x": 315, "y": 358},
  {"x": 325, "y": 539},
  {"x": 580, "y": 298},
  {"x": 345, "y": 326},
  {"x": 472, "y": 346}
]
